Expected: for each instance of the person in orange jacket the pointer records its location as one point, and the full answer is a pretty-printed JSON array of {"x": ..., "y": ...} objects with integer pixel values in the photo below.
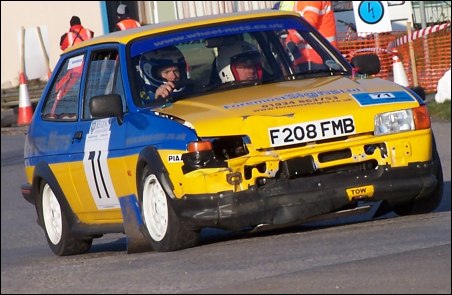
[
  {"x": 77, "y": 33},
  {"x": 125, "y": 22},
  {"x": 321, "y": 16}
]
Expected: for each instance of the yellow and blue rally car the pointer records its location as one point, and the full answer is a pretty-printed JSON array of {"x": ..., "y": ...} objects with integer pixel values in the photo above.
[{"x": 161, "y": 131}]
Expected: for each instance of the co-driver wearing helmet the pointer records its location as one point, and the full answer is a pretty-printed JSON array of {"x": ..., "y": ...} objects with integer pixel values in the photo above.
[
  {"x": 238, "y": 62},
  {"x": 162, "y": 71}
]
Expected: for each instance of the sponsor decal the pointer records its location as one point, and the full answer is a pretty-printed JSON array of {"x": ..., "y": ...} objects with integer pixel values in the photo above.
[
  {"x": 96, "y": 166},
  {"x": 374, "y": 98},
  {"x": 300, "y": 98},
  {"x": 175, "y": 158},
  {"x": 216, "y": 30},
  {"x": 75, "y": 62}
]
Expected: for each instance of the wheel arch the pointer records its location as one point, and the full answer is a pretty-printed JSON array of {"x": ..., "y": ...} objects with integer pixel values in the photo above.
[
  {"x": 150, "y": 157},
  {"x": 42, "y": 173},
  {"x": 176, "y": 235}
]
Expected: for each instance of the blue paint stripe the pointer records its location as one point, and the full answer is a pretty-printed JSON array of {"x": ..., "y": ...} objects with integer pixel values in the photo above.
[
  {"x": 220, "y": 30},
  {"x": 131, "y": 213},
  {"x": 79, "y": 156}
]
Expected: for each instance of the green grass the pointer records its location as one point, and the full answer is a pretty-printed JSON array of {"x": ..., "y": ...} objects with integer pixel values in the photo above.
[{"x": 439, "y": 111}]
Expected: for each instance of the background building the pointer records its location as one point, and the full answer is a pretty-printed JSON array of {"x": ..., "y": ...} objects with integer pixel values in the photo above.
[{"x": 52, "y": 18}]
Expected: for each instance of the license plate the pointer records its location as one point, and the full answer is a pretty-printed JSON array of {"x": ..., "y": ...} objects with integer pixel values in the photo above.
[
  {"x": 311, "y": 131},
  {"x": 360, "y": 192}
]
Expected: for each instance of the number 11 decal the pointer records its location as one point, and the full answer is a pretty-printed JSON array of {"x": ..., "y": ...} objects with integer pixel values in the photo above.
[
  {"x": 96, "y": 165},
  {"x": 97, "y": 172}
]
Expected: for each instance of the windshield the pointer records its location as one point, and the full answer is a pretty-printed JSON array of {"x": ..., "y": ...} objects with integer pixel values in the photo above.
[{"x": 226, "y": 56}]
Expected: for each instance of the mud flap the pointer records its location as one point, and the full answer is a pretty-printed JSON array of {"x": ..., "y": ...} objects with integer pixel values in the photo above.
[{"x": 136, "y": 240}]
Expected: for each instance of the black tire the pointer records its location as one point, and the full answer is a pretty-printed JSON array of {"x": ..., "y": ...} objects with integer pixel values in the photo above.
[
  {"x": 54, "y": 221},
  {"x": 163, "y": 228},
  {"x": 429, "y": 203}
]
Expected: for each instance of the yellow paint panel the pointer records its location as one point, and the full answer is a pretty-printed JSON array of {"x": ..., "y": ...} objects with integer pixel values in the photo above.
[
  {"x": 29, "y": 170},
  {"x": 123, "y": 175}
]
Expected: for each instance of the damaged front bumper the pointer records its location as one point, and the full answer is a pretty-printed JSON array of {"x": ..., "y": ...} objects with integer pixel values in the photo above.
[{"x": 284, "y": 201}]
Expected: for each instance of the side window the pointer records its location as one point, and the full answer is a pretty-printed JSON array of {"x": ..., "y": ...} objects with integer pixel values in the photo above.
[
  {"x": 62, "y": 101},
  {"x": 101, "y": 78}
]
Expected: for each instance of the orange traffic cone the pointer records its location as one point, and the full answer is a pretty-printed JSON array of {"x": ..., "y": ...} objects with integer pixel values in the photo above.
[
  {"x": 398, "y": 70},
  {"x": 25, "y": 109}
]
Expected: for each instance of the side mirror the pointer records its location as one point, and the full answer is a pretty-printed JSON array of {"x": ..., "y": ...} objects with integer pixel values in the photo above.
[
  {"x": 105, "y": 106},
  {"x": 366, "y": 64},
  {"x": 419, "y": 91}
]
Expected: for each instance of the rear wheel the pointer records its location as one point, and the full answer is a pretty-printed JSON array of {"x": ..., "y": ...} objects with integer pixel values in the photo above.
[
  {"x": 53, "y": 218},
  {"x": 165, "y": 231},
  {"x": 429, "y": 203}
]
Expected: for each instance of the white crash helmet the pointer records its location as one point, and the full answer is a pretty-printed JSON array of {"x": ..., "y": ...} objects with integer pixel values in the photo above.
[
  {"x": 228, "y": 55},
  {"x": 152, "y": 62}
]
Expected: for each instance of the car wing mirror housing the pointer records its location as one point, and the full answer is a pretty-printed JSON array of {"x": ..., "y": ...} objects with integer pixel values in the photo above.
[
  {"x": 105, "y": 106},
  {"x": 366, "y": 64},
  {"x": 419, "y": 90}
]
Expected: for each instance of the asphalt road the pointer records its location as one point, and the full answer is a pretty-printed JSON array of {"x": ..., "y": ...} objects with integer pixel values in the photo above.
[{"x": 393, "y": 254}]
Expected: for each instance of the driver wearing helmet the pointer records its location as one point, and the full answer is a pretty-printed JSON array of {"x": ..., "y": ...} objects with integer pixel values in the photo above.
[
  {"x": 164, "y": 73},
  {"x": 239, "y": 62}
]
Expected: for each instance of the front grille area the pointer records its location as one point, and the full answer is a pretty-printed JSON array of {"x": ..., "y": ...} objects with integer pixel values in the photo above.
[
  {"x": 350, "y": 168},
  {"x": 297, "y": 167},
  {"x": 334, "y": 155},
  {"x": 304, "y": 167}
]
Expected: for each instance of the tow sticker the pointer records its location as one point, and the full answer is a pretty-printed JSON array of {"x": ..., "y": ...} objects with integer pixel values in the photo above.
[{"x": 366, "y": 191}]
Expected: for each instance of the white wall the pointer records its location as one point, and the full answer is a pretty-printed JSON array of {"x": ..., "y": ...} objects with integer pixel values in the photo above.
[{"x": 53, "y": 17}]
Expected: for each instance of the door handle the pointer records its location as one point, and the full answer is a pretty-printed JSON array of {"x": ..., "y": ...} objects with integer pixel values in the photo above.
[{"x": 77, "y": 136}]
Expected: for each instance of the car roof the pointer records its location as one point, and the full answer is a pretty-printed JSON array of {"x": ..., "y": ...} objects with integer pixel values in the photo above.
[{"x": 123, "y": 37}]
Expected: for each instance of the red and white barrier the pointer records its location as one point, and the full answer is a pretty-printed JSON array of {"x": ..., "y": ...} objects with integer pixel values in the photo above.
[{"x": 417, "y": 34}]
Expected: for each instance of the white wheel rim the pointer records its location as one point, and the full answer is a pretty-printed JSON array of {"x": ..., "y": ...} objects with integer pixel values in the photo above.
[
  {"x": 155, "y": 208},
  {"x": 51, "y": 212}
]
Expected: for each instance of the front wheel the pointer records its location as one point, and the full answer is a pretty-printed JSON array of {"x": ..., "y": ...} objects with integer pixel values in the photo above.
[
  {"x": 165, "y": 231},
  {"x": 54, "y": 221}
]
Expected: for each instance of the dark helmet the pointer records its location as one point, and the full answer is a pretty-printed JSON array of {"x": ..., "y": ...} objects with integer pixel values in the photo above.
[
  {"x": 152, "y": 62},
  {"x": 75, "y": 20},
  {"x": 122, "y": 10},
  {"x": 239, "y": 51}
]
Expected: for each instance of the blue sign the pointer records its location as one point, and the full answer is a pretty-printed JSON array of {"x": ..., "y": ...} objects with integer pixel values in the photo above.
[{"x": 371, "y": 12}]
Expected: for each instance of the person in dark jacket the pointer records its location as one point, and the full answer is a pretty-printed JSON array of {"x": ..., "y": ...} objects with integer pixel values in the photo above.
[
  {"x": 77, "y": 33},
  {"x": 125, "y": 22}
]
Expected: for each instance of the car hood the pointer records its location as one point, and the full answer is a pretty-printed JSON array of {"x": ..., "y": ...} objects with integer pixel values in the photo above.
[{"x": 253, "y": 110}]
